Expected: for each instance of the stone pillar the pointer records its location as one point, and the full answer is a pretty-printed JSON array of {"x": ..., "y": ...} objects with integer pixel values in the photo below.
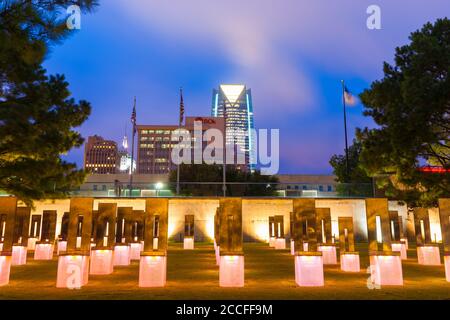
[
  {"x": 73, "y": 265},
  {"x": 385, "y": 265},
  {"x": 189, "y": 227},
  {"x": 134, "y": 234},
  {"x": 8, "y": 207},
  {"x": 45, "y": 247},
  {"x": 216, "y": 236},
  {"x": 153, "y": 263},
  {"x": 324, "y": 235},
  {"x": 427, "y": 252},
  {"x": 21, "y": 233},
  {"x": 62, "y": 239},
  {"x": 122, "y": 248},
  {"x": 350, "y": 261},
  {"x": 308, "y": 264},
  {"x": 280, "y": 241},
  {"x": 272, "y": 232},
  {"x": 35, "y": 231},
  {"x": 444, "y": 215},
  {"x": 101, "y": 262},
  {"x": 231, "y": 273},
  {"x": 398, "y": 245}
]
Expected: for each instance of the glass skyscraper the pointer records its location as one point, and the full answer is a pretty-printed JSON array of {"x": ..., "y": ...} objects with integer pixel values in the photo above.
[{"x": 236, "y": 100}]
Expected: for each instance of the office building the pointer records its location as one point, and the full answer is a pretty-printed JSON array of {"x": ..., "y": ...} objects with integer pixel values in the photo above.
[
  {"x": 155, "y": 148},
  {"x": 235, "y": 103},
  {"x": 101, "y": 156}
]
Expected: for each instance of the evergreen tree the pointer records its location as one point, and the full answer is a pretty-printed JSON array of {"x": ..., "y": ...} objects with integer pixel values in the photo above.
[
  {"x": 411, "y": 106},
  {"x": 37, "y": 113}
]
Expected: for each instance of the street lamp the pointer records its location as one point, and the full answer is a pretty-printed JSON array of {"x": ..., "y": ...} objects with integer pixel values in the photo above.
[{"x": 158, "y": 187}]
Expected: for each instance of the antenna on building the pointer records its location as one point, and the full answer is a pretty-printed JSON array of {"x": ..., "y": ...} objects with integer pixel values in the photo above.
[{"x": 125, "y": 139}]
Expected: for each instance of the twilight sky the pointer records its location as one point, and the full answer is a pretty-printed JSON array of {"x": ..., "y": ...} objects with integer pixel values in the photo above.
[{"x": 291, "y": 53}]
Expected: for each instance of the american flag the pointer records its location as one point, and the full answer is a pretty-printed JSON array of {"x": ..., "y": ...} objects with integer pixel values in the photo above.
[
  {"x": 181, "y": 106},
  {"x": 133, "y": 116},
  {"x": 349, "y": 97}
]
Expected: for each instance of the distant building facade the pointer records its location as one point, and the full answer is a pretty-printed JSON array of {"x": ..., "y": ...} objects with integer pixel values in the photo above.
[
  {"x": 101, "y": 156},
  {"x": 125, "y": 158},
  {"x": 154, "y": 149},
  {"x": 304, "y": 185},
  {"x": 234, "y": 102}
]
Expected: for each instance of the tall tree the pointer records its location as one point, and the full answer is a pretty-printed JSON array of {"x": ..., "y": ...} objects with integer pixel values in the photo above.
[
  {"x": 355, "y": 174},
  {"x": 354, "y": 181},
  {"x": 37, "y": 114},
  {"x": 411, "y": 106}
]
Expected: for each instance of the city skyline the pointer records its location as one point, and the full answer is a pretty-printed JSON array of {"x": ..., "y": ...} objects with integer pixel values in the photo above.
[{"x": 292, "y": 60}]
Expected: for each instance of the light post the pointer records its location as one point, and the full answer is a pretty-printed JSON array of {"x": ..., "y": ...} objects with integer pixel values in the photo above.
[{"x": 158, "y": 187}]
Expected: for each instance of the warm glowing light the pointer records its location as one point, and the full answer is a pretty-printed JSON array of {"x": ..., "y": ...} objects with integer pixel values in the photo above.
[
  {"x": 153, "y": 258},
  {"x": 231, "y": 271},
  {"x": 170, "y": 229},
  {"x": 329, "y": 254},
  {"x": 122, "y": 255},
  {"x": 261, "y": 231},
  {"x": 309, "y": 271},
  {"x": 152, "y": 271},
  {"x": 350, "y": 262},
  {"x": 73, "y": 272},
  {"x": 19, "y": 255},
  {"x": 188, "y": 244},
  {"x": 378, "y": 228},
  {"x": 231, "y": 258},
  {"x": 232, "y": 92},
  {"x": 447, "y": 268},
  {"x": 101, "y": 262},
  {"x": 43, "y": 251},
  {"x": 210, "y": 228},
  {"x": 429, "y": 255},
  {"x": 386, "y": 270},
  {"x": 400, "y": 247},
  {"x": 5, "y": 268}
]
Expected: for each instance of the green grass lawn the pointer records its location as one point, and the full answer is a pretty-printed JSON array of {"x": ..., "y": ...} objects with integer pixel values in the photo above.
[{"x": 269, "y": 274}]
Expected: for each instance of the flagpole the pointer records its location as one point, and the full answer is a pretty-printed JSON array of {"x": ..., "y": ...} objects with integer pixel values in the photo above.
[
  {"x": 224, "y": 169},
  {"x": 133, "y": 120},
  {"x": 345, "y": 128},
  {"x": 179, "y": 127}
]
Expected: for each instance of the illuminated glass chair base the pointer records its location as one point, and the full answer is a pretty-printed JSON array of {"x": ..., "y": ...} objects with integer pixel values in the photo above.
[
  {"x": 43, "y": 251},
  {"x": 152, "y": 270},
  {"x": 350, "y": 262},
  {"x": 429, "y": 255},
  {"x": 19, "y": 255},
  {"x": 272, "y": 242},
  {"x": 188, "y": 243},
  {"x": 280, "y": 244},
  {"x": 309, "y": 269},
  {"x": 32, "y": 244},
  {"x": 5, "y": 269},
  {"x": 102, "y": 261},
  {"x": 328, "y": 253},
  {"x": 73, "y": 271},
  {"x": 400, "y": 247},
  {"x": 447, "y": 265},
  {"x": 386, "y": 268},
  {"x": 122, "y": 255},
  {"x": 231, "y": 273},
  {"x": 135, "y": 250},
  {"x": 61, "y": 247}
]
